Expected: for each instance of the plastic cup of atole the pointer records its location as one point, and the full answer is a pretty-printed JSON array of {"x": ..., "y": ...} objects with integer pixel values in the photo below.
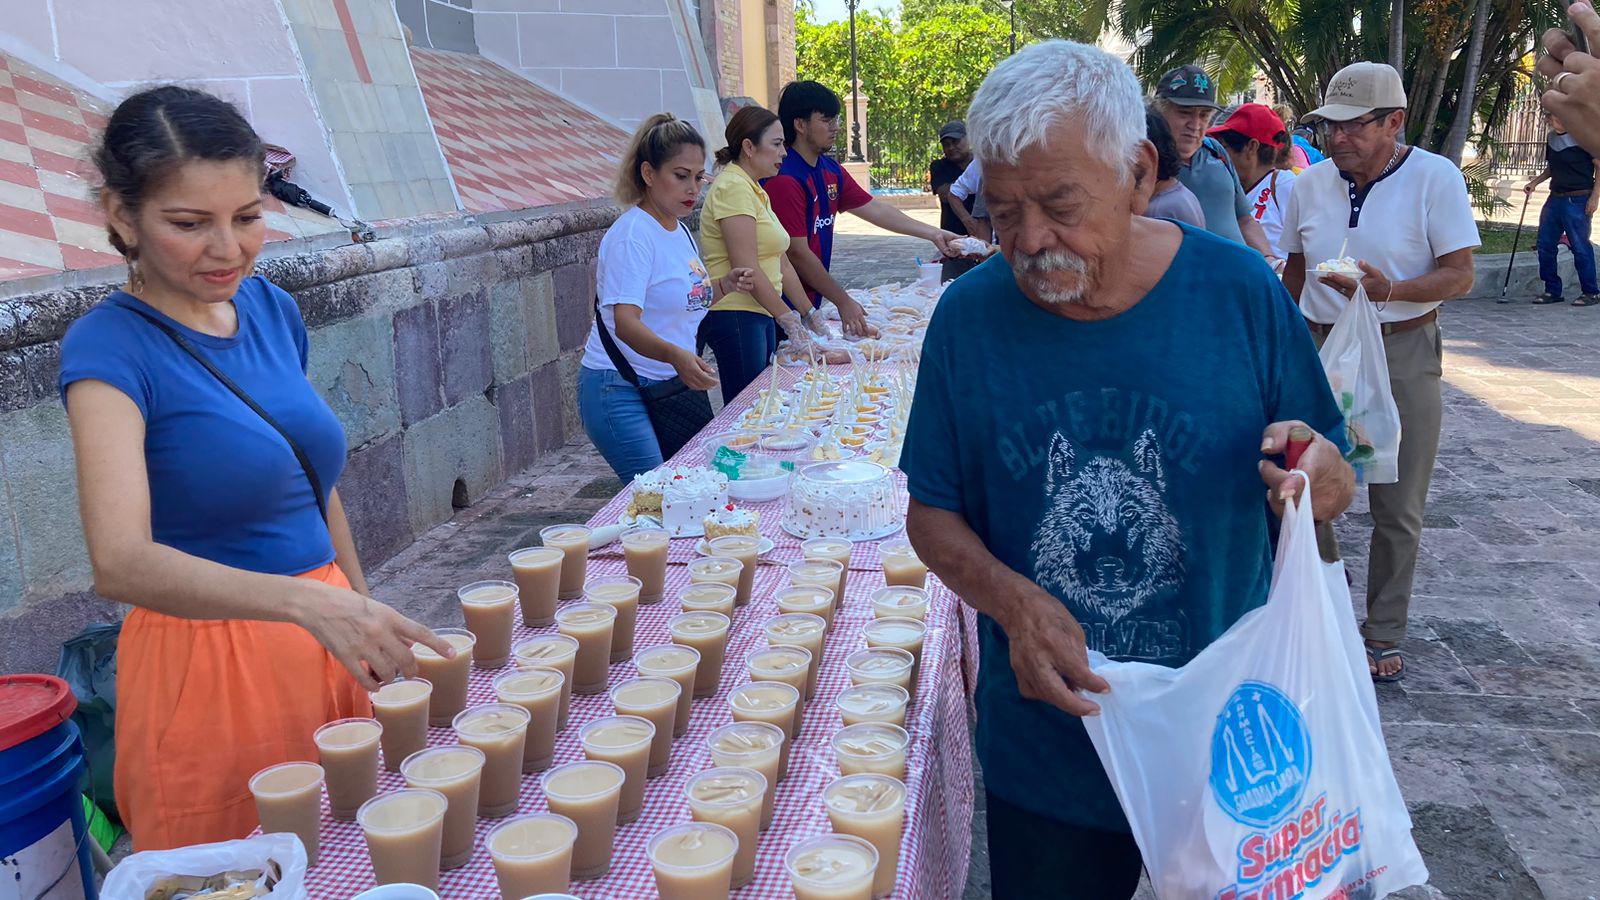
[
  {"x": 620, "y": 592},
  {"x": 536, "y": 689},
  {"x": 707, "y": 633},
  {"x": 448, "y": 676},
  {"x": 901, "y": 566},
  {"x": 532, "y": 854},
  {"x": 573, "y": 542},
  {"x": 537, "y": 572},
  {"x": 900, "y": 600},
  {"x": 645, "y": 553},
  {"x": 800, "y": 630},
  {"x": 678, "y": 663},
  {"x": 709, "y": 596},
  {"x": 457, "y": 773},
  {"x": 404, "y": 831},
  {"x": 490, "y": 608},
  {"x": 656, "y": 700},
  {"x": 808, "y": 598},
  {"x": 625, "y": 741},
  {"x": 872, "y": 747},
  {"x": 289, "y": 798},
  {"x": 401, "y": 707},
  {"x": 786, "y": 664},
  {"x": 871, "y": 807},
  {"x": 832, "y": 867},
  {"x": 900, "y": 632},
  {"x": 731, "y": 797},
  {"x": 556, "y": 651},
  {"x": 745, "y": 549},
  {"x": 500, "y": 731},
  {"x": 881, "y": 665},
  {"x": 693, "y": 861},
  {"x": 824, "y": 573},
  {"x": 750, "y": 745},
  {"x": 348, "y": 752},
  {"x": 768, "y": 701},
  {"x": 720, "y": 570},
  {"x": 873, "y": 703},
  {"x": 590, "y": 624},
  {"x": 587, "y": 792},
  {"x": 836, "y": 549}
]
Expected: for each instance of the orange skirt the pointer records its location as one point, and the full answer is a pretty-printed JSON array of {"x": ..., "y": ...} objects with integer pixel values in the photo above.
[{"x": 202, "y": 705}]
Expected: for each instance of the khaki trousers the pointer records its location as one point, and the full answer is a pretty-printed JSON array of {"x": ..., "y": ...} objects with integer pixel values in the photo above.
[{"x": 1415, "y": 369}]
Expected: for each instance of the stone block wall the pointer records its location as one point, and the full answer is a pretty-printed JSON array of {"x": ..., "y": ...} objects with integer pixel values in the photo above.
[
  {"x": 720, "y": 27},
  {"x": 449, "y": 350}
]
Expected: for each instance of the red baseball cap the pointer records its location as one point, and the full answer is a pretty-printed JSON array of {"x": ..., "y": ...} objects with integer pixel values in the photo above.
[{"x": 1254, "y": 120}]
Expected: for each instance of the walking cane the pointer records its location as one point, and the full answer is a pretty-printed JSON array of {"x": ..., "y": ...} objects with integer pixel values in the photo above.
[{"x": 1526, "y": 198}]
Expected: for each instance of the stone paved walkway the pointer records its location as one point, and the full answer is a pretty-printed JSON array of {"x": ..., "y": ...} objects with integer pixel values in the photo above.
[{"x": 1495, "y": 734}]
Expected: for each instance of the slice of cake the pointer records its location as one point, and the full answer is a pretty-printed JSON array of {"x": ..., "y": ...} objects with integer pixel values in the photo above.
[
  {"x": 729, "y": 519},
  {"x": 647, "y": 493}
]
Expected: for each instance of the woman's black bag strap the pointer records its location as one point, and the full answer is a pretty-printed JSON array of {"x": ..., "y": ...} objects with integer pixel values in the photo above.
[{"x": 299, "y": 454}]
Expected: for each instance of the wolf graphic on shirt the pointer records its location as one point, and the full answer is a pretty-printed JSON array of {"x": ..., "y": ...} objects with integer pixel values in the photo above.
[{"x": 1107, "y": 543}]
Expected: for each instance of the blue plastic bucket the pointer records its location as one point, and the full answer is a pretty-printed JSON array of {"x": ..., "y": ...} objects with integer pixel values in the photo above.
[{"x": 44, "y": 841}]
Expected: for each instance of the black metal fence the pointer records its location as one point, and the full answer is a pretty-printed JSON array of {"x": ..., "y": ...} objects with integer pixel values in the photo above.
[{"x": 1516, "y": 147}]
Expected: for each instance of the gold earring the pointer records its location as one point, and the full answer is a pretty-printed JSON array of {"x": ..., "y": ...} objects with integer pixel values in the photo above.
[{"x": 135, "y": 277}]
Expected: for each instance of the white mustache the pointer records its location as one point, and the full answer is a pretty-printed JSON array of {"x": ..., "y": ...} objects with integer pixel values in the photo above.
[{"x": 1049, "y": 261}]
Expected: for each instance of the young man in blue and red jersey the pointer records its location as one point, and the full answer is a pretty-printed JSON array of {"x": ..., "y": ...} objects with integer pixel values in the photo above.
[{"x": 812, "y": 189}]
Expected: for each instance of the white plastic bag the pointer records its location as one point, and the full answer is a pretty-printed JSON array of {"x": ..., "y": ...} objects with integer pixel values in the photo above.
[
  {"x": 1258, "y": 770},
  {"x": 1358, "y": 372},
  {"x": 137, "y": 874}
]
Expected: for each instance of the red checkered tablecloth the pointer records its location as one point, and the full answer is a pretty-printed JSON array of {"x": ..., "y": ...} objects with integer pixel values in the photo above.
[{"x": 937, "y": 839}]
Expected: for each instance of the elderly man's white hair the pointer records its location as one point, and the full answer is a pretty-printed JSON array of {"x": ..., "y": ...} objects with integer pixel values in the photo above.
[{"x": 1050, "y": 83}]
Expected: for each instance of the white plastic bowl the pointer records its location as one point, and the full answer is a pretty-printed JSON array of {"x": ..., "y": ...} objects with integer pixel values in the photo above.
[{"x": 760, "y": 490}]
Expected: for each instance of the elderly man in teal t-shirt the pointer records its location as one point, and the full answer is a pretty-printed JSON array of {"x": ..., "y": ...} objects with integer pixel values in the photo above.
[{"x": 1090, "y": 450}]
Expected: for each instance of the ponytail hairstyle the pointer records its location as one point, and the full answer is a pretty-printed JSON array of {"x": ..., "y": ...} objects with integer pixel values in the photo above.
[
  {"x": 658, "y": 140},
  {"x": 153, "y": 133},
  {"x": 746, "y": 125}
]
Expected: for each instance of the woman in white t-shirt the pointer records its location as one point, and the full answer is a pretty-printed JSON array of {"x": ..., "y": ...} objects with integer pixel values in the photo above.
[{"x": 653, "y": 291}]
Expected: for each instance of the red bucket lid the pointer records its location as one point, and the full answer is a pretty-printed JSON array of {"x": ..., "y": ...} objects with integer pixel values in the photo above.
[{"x": 30, "y": 705}]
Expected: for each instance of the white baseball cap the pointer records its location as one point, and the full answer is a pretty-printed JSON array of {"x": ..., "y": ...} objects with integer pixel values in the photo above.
[{"x": 1358, "y": 89}]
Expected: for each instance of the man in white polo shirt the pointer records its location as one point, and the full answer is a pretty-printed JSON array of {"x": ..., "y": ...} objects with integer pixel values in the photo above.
[{"x": 1408, "y": 221}]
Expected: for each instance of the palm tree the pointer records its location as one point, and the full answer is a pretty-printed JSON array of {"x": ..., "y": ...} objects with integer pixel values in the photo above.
[
  {"x": 1397, "y": 35},
  {"x": 1466, "y": 106}
]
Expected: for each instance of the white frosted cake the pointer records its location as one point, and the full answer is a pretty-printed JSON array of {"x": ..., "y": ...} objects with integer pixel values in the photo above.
[
  {"x": 730, "y": 519},
  {"x": 852, "y": 499},
  {"x": 688, "y": 496}
]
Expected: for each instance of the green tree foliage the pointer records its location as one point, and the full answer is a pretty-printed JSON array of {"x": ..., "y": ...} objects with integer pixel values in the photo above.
[{"x": 918, "y": 73}]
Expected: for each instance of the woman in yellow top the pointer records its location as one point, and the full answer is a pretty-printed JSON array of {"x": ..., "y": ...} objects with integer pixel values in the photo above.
[{"x": 739, "y": 230}]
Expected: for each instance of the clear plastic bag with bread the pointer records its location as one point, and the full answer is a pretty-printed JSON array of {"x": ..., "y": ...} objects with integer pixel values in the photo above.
[
  {"x": 1258, "y": 770},
  {"x": 1358, "y": 372},
  {"x": 267, "y": 865}
]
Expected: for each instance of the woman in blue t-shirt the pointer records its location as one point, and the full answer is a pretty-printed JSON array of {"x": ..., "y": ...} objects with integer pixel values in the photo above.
[
  {"x": 251, "y": 625},
  {"x": 653, "y": 291}
]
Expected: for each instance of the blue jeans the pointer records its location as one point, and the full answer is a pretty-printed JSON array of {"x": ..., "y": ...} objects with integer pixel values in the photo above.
[
  {"x": 743, "y": 343},
  {"x": 614, "y": 416},
  {"x": 1566, "y": 214}
]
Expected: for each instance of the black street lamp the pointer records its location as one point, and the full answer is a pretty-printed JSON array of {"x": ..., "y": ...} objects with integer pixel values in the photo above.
[
  {"x": 1011, "y": 8},
  {"x": 855, "y": 90}
]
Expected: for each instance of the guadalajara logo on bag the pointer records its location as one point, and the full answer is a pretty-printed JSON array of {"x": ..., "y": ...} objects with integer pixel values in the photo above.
[{"x": 1261, "y": 758}]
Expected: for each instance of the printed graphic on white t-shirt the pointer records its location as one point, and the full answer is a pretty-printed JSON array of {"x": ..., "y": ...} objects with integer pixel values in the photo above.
[
  {"x": 700, "y": 292},
  {"x": 1268, "y": 199}
]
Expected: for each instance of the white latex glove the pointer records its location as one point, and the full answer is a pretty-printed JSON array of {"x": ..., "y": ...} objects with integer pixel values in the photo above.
[
  {"x": 818, "y": 325},
  {"x": 792, "y": 325}
]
